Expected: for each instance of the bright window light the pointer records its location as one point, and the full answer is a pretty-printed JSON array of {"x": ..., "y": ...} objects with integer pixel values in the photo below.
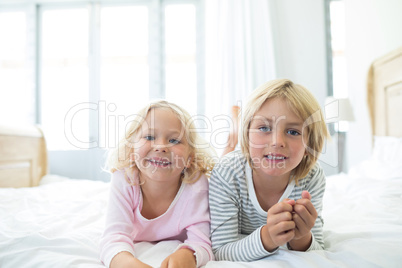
[
  {"x": 64, "y": 77},
  {"x": 17, "y": 102},
  {"x": 124, "y": 79},
  {"x": 338, "y": 44},
  {"x": 338, "y": 28},
  {"x": 180, "y": 49}
]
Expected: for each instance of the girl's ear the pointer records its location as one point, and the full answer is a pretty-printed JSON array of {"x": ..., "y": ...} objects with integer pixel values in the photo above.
[
  {"x": 190, "y": 160},
  {"x": 132, "y": 160}
]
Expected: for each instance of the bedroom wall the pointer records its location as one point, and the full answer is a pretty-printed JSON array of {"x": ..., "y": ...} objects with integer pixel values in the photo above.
[
  {"x": 299, "y": 39},
  {"x": 373, "y": 29},
  {"x": 300, "y": 54}
]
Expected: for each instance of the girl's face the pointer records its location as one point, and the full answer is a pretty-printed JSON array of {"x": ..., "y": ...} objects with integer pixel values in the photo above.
[
  {"x": 276, "y": 140},
  {"x": 161, "y": 151}
]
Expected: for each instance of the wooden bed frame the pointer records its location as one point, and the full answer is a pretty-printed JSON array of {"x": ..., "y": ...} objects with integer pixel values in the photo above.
[
  {"x": 384, "y": 95},
  {"x": 23, "y": 156}
]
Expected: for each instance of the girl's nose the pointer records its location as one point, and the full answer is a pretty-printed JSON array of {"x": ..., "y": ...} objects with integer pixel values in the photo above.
[{"x": 160, "y": 146}]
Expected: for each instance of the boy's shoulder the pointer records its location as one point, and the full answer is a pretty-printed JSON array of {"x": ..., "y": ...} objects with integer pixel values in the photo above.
[
  {"x": 315, "y": 175},
  {"x": 316, "y": 171},
  {"x": 231, "y": 168},
  {"x": 232, "y": 160}
]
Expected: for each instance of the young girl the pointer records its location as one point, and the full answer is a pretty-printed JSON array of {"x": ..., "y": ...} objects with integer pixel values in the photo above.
[
  {"x": 159, "y": 190},
  {"x": 270, "y": 193}
]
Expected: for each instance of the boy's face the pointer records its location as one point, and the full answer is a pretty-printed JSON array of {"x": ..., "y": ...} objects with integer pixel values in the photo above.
[{"x": 276, "y": 140}]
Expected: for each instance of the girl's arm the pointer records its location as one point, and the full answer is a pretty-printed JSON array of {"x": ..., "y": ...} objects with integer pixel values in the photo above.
[
  {"x": 224, "y": 202},
  {"x": 119, "y": 225},
  {"x": 127, "y": 260},
  {"x": 182, "y": 257},
  {"x": 195, "y": 219}
]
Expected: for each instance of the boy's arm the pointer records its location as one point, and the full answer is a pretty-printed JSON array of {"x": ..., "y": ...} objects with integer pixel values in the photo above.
[
  {"x": 304, "y": 216},
  {"x": 316, "y": 189},
  {"x": 227, "y": 243}
]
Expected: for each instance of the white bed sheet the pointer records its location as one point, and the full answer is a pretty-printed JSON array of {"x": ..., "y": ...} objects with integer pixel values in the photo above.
[{"x": 59, "y": 223}]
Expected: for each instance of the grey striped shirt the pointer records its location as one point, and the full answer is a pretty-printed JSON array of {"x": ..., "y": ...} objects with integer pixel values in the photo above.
[{"x": 237, "y": 217}]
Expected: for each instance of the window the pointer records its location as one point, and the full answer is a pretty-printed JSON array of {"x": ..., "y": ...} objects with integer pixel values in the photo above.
[
  {"x": 80, "y": 68},
  {"x": 64, "y": 75},
  {"x": 338, "y": 59},
  {"x": 17, "y": 102},
  {"x": 339, "y": 71},
  {"x": 124, "y": 67},
  {"x": 180, "y": 51}
]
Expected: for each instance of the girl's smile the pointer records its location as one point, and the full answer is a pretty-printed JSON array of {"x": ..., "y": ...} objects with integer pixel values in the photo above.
[{"x": 159, "y": 162}]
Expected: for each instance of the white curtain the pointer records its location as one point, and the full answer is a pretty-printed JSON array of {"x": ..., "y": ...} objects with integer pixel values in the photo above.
[{"x": 239, "y": 54}]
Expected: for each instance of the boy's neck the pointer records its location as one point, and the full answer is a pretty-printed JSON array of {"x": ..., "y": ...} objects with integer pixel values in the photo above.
[{"x": 268, "y": 189}]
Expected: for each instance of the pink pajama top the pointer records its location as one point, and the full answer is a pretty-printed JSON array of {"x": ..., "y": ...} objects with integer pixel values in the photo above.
[{"x": 187, "y": 220}]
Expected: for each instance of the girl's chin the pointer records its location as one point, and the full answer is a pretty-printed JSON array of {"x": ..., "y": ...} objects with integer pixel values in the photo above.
[{"x": 161, "y": 173}]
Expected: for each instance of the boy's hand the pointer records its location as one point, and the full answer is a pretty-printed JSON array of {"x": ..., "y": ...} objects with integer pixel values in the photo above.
[
  {"x": 182, "y": 258},
  {"x": 304, "y": 217},
  {"x": 280, "y": 227}
]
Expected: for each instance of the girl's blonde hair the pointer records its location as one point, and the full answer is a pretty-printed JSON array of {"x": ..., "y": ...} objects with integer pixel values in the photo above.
[
  {"x": 203, "y": 156},
  {"x": 303, "y": 104}
]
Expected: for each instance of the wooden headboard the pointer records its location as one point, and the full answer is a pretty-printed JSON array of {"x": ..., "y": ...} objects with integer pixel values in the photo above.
[
  {"x": 384, "y": 95},
  {"x": 23, "y": 156}
]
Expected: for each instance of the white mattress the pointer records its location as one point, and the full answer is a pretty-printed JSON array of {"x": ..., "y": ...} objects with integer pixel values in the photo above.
[{"x": 59, "y": 223}]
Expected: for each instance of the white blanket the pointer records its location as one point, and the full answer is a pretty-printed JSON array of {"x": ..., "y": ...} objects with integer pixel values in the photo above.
[{"x": 59, "y": 223}]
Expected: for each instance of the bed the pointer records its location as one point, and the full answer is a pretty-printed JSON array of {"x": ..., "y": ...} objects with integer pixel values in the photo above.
[{"x": 52, "y": 221}]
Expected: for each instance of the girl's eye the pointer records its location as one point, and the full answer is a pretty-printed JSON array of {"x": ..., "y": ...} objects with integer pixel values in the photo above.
[
  {"x": 293, "y": 132},
  {"x": 265, "y": 129},
  {"x": 174, "y": 141},
  {"x": 149, "y": 138}
]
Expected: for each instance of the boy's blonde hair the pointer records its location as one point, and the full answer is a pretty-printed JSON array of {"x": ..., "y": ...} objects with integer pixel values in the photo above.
[
  {"x": 202, "y": 154},
  {"x": 303, "y": 104}
]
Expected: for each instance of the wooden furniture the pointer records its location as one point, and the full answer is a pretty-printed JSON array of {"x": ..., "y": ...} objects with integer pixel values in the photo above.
[
  {"x": 384, "y": 95},
  {"x": 23, "y": 156}
]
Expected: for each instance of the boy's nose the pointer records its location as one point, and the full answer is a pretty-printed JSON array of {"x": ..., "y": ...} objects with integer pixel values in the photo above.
[{"x": 278, "y": 139}]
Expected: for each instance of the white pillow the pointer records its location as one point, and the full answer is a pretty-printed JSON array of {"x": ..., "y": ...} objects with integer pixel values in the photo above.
[{"x": 385, "y": 161}]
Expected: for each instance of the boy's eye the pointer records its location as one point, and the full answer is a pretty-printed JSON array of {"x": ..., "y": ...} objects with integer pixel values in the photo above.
[
  {"x": 293, "y": 132},
  {"x": 265, "y": 129},
  {"x": 174, "y": 141},
  {"x": 149, "y": 138}
]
